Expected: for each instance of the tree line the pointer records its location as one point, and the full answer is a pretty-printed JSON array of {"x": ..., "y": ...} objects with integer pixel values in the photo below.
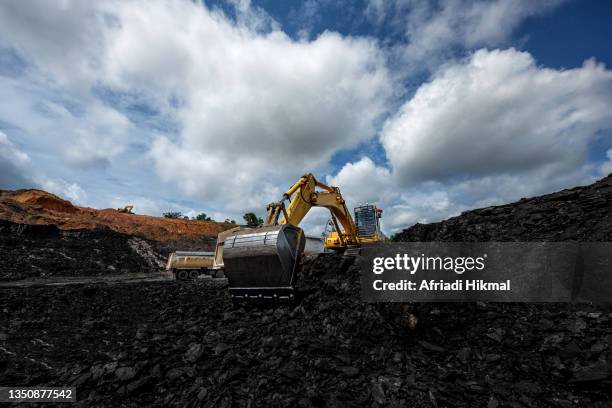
[{"x": 251, "y": 219}]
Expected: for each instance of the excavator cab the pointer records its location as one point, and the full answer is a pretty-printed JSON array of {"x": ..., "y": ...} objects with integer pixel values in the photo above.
[{"x": 263, "y": 262}]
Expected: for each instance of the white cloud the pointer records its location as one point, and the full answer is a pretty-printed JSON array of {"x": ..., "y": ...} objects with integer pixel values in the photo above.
[
  {"x": 606, "y": 167},
  {"x": 69, "y": 191},
  {"x": 489, "y": 130},
  {"x": 467, "y": 23},
  {"x": 85, "y": 133},
  {"x": 425, "y": 203},
  {"x": 253, "y": 103},
  {"x": 499, "y": 113},
  {"x": 14, "y": 165},
  {"x": 435, "y": 30},
  {"x": 363, "y": 182},
  {"x": 252, "y": 16},
  {"x": 16, "y": 171},
  {"x": 255, "y": 108},
  {"x": 61, "y": 38}
]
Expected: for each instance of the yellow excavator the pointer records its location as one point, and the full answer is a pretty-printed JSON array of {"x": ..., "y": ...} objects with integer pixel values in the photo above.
[{"x": 263, "y": 262}]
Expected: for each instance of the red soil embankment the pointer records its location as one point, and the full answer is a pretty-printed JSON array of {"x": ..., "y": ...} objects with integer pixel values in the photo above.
[{"x": 40, "y": 207}]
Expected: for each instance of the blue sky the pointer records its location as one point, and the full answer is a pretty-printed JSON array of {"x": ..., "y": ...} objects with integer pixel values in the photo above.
[{"x": 426, "y": 108}]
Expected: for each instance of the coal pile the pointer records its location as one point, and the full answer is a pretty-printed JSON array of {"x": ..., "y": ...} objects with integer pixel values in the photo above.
[
  {"x": 577, "y": 214},
  {"x": 185, "y": 344},
  {"x": 42, "y": 251}
]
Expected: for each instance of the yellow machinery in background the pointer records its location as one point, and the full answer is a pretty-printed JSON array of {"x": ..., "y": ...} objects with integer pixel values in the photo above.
[
  {"x": 263, "y": 262},
  {"x": 127, "y": 209}
]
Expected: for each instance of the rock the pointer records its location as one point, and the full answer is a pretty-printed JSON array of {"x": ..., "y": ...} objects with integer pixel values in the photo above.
[
  {"x": 221, "y": 348},
  {"x": 497, "y": 335},
  {"x": 493, "y": 403},
  {"x": 175, "y": 373},
  {"x": 432, "y": 399},
  {"x": 137, "y": 385},
  {"x": 81, "y": 379},
  {"x": 463, "y": 355},
  {"x": 194, "y": 352},
  {"x": 432, "y": 347},
  {"x": 378, "y": 394},
  {"x": 202, "y": 393},
  {"x": 595, "y": 372},
  {"x": 349, "y": 371},
  {"x": 125, "y": 373}
]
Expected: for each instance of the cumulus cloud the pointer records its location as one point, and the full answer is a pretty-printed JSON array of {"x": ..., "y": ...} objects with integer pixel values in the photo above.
[
  {"x": 499, "y": 113},
  {"x": 363, "y": 182},
  {"x": 425, "y": 203},
  {"x": 70, "y": 191},
  {"x": 252, "y": 104},
  {"x": 241, "y": 110},
  {"x": 13, "y": 165},
  {"x": 606, "y": 167},
  {"x": 488, "y": 130},
  {"x": 85, "y": 133},
  {"x": 61, "y": 38},
  {"x": 254, "y": 107},
  {"x": 434, "y": 31},
  {"x": 16, "y": 171}
]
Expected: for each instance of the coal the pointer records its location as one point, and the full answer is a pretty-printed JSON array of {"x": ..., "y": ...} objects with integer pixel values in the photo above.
[
  {"x": 577, "y": 214},
  {"x": 171, "y": 343},
  {"x": 186, "y": 344},
  {"x": 43, "y": 251}
]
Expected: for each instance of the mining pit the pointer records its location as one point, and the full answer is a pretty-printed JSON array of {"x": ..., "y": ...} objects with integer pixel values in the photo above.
[{"x": 185, "y": 344}]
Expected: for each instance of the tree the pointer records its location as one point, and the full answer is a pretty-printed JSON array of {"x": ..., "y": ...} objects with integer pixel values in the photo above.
[
  {"x": 173, "y": 214},
  {"x": 252, "y": 220},
  {"x": 203, "y": 217}
]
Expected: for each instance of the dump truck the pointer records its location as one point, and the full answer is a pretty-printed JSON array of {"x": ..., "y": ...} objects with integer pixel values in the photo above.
[{"x": 186, "y": 265}]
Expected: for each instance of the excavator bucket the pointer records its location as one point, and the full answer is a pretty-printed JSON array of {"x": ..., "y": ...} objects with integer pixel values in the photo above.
[{"x": 263, "y": 262}]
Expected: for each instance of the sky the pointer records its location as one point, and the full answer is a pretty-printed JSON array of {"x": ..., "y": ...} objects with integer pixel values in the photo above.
[{"x": 427, "y": 109}]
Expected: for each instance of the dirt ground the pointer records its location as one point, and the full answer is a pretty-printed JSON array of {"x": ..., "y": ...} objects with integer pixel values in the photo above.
[{"x": 40, "y": 207}]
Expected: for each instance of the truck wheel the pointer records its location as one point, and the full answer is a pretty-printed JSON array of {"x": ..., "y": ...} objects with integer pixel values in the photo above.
[
  {"x": 182, "y": 275},
  {"x": 194, "y": 274}
]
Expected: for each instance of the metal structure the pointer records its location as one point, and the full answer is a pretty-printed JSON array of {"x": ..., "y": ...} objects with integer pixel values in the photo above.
[{"x": 367, "y": 219}]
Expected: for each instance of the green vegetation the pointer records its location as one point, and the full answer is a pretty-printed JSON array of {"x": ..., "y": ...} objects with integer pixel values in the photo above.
[
  {"x": 202, "y": 217},
  {"x": 252, "y": 220},
  {"x": 173, "y": 214}
]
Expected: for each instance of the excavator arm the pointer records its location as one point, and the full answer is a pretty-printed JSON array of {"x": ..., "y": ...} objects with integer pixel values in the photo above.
[{"x": 302, "y": 196}]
